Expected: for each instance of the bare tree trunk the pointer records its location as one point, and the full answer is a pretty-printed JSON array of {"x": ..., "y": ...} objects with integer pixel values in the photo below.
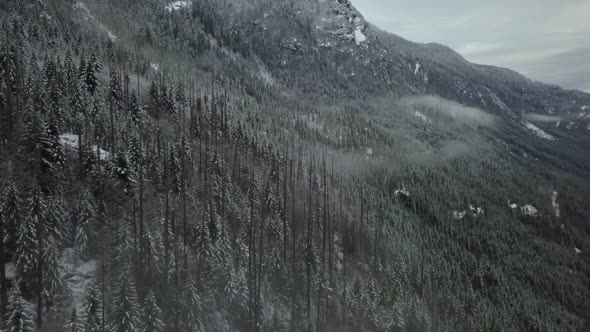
[
  {"x": 102, "y": 292},
  {"x": 293, "y": 249},
  {"x": 166, "y": 225},
  {"x": 285, "y": 208},
  {"x": 176, "y": 276},
  {"x": 319, "y": 319},
  {"x": 309, "y": 244},
  {"x": 80, "y": 156},
  {"x": 3, "y": 261},
  {"x": 251, "y": 250},
  {"x": 260, "y": 276}
]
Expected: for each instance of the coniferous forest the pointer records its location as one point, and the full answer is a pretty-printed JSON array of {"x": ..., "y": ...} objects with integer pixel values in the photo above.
[{"x": 179, "y": 166}]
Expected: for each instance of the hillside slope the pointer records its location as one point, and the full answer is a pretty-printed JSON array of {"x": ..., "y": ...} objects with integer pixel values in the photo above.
[{"x": 278, "y": 166}]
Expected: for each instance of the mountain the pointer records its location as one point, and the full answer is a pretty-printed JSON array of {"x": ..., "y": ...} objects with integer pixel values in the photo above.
[
  {"x": 341, "y": 45},
  {"x": 274, "y": 165}
]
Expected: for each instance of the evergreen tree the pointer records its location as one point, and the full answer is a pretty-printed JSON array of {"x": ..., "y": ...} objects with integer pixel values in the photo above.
[
  {"x": 136, "y": 110},
  {"x": 100, "y": 122},
  {"x": 123, "y": 247},
  {"x": 12, "y": 217},
  {"x": 55, "y": 147},
  {"x": 36, "y": 146},
  {"x": 82, "y": 229},
  {"x": 19, "y": 319},
  {"x": 26, "y": 255},
  {"x": 73, "y": 323},
  {"x": 121, "y": 171},
  {"x": 151, "y": 315},
  {"x": 92, "y": 309},
  {"x": 53, "y": 286},
  {"x": 115, "y": 91},
  {"x": 125, "y": 311},
  {"x": 93, "y": 68},
  {"x": 192, "y": 308}
]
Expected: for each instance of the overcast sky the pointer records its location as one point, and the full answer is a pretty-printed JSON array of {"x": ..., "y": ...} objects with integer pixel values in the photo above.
[{"x": 546, "y": 40}]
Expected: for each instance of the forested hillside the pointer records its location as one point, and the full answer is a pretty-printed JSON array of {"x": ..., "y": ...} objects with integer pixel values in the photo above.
[{"x": 187, "y": 166}]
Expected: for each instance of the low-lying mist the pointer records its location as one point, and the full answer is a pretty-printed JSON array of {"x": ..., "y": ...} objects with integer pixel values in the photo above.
[{"x": 440, "y": 111}]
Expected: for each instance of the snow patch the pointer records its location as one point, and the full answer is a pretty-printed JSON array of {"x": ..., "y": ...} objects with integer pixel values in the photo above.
[
  {"x": 422, "y": 117},
  {"x": 538, "y": 131},
  {"x": 585, "y": 108},
  {"x": 359, "y": 36},
  {"x": 81, "y": 7},
  {"x": 417, "y": 70},
  {"x": 402, "y": 193},
  {"x": 529, "y": 210},
  {"x": 555, "y": 204},
  {"x": 71, "y": 141},
  {"x": 472, "y": 211},
  {"x": 577, "y": 251},
  {"x": 155, "y": 66},
  {"x": 10, "y": 270},
  {"x": 110, "y": 34},
  {"x": 177, "y": 5},
  {"x": 459, "y": 215}
]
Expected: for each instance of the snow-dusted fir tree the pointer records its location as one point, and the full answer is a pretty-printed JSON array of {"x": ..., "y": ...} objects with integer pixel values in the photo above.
[
  {"x": 93, "y": 68},
  {"x": 83, "y": 227},
  {"x": 192, "y": 309},
  {"x": 136, "y": 110},
  {"x": 53, "y": 286},
  {"x": 26, "y": 256},
  {"x": 92, "y": 309},
  {"x": 151, "y": 315},
  {"x": 122, "y": 247},
  {"x": 12, "y": 216},
  {"x": 73, "y": 323},
  {"x": 125, "y": 312},
  {"x": 120, "y": 170},
  {"x": 19, "y": 319}
]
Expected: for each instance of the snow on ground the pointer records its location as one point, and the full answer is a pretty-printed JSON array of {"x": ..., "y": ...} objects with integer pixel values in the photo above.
[
  {"x": 85, "y": 12},
  {"x": 111, "y": 35},
  {"x": 265, "y": 75},
  {"x": 554, "y": 204},
  {"x": 155, "y": 66},
  {"x": 585, "y": 108},
  {"x": 78, "y": 276},
  {"x": 402, "y": 192},
  {"x": 177, "y": 5},
  {"x": 71, "y": 141},
  {"x": 538, "y": 131},
  {"x": 529, "y": 210},
  {"x": 417, "y": 70},
  {"x": 577, "y": 251},
  {"x": 339, "y": 252},
  {"x": 472, "y": 210},
  {"x": 359, "y": 36},
  {"x": 369, "y": 152},
  {"x": 10, "y": 270},
  {"x": 421, "y": 116},
  {"x": 459, "y": 215}
]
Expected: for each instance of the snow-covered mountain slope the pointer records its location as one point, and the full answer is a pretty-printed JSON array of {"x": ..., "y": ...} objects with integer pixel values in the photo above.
[{"x": 327, "y": 48}]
